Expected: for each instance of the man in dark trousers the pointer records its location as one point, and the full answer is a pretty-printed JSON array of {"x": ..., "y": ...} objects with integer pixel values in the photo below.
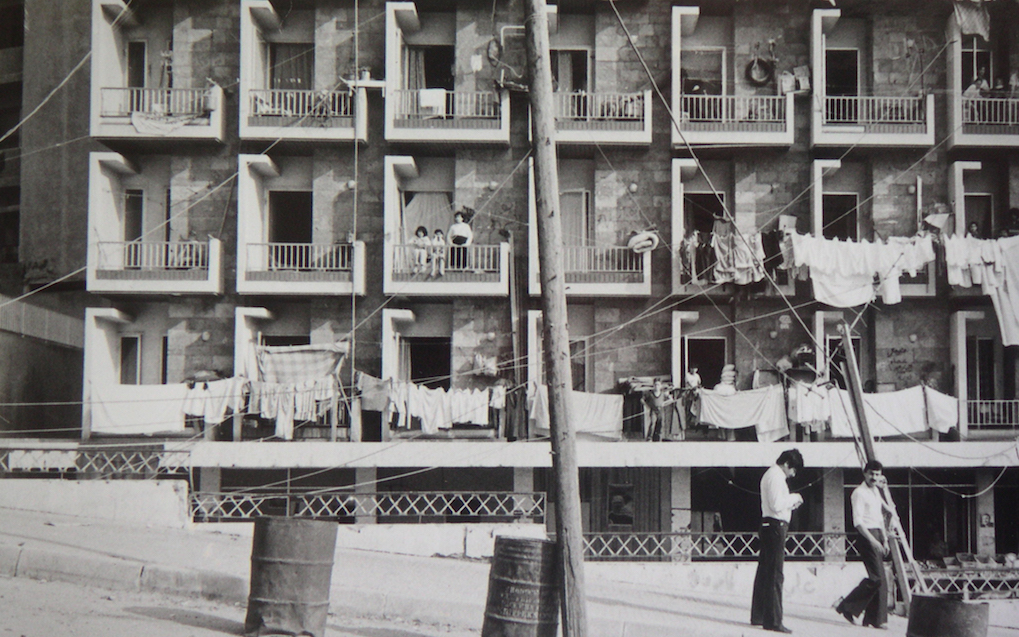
[
  {"x": 870, "y": 596},
  {"x": 777, "y": 505}
]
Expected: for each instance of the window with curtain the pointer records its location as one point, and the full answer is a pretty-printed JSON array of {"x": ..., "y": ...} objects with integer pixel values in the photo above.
[
  {"x": 292, "y": 65},
  {"x": 576, "y": 205},
  {"x": 429, "y": 209}
]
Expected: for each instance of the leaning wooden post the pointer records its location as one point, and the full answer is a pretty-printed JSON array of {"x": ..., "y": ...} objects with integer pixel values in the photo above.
[
  {"x": 856, "y": 397},
  {"x": 569, "y": 532}
]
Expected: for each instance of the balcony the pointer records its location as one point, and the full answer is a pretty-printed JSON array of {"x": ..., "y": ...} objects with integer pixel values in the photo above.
[
  {"x": 302, "y": 268},
  {"x": 992, "y": 419},
  {"x": 874, "y": 121},
  {"x": 144, "y": 107},
  {"x": 451, "y": 105},
  {"x": 441, "y": 115},
  {"x": 743, "y": 120},
  {"x": 598, "y": 270},
  {"x": 312, "y": 96},
  {"x": 157, "y": 266},
  {"x": 303, "y": 114},
  {"x": 143, "y": 265},
  {"x": 603, "y": 118},
  {"x": 473, "y": 270}
]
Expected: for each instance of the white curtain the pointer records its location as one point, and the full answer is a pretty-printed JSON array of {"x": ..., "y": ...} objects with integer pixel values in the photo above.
[{"x": 429, "y": 209}]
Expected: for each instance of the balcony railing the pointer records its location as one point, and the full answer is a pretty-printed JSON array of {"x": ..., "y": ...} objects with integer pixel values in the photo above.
[
  {"x": 602, "y": 262},
  {"x": 305, "y": 106},
  {"x": 624, "y": 111},
  {"x": 879, "y": 114},
  {"x": 733, "y": 112},
  {"x": 302, "y": 257},
  {"x": 136, "y": 463},
  {"x": 122, "y": 102},
  {"x": 993, "y": 415},
  {"x": 471, "y": 506},
  {"x": 686, "y": 546},
  {"x": 477, "y": 259},
  {"x": 431, "y": 107},
  {"x": 990, "y": 111},
  {"x": 153, "y": 255}
]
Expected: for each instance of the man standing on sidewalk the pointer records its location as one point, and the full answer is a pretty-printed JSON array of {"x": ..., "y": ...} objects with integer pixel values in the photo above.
[
  {"x": 870, "y": 596},
  {"x": 777, "y": 505}
]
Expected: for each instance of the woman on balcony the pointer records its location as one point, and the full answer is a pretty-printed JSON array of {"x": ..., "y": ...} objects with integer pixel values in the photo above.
[{"x": 460, "y": 236}]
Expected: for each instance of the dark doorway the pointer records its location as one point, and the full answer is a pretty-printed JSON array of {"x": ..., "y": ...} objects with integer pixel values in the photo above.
[
  {"x": 842, "y": 79},
  {"x": 980, "y": 368},
  {"x": 136, "y": 63},
  {"x": 707, "y": 355},
  {"x": 439, "y": 62},
  {"x": 836, "y": 356},
  {"x": 290, "y": 222},
  {"x": 430, "y": 361},
  {"x": 839, "y": 217},
  {"x": 285, "y": 341}
]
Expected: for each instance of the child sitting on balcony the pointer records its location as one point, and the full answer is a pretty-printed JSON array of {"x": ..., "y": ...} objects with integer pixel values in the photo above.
[
  {"x": 422, "y": 247},
  {"x": 438, "y": 253}
]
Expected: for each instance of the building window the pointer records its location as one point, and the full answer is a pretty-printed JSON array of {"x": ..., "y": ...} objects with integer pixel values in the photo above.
[
  {"x": 130, "y": 360},
  {"x": 980, "y": 215},
  {"x": 576, "y": 215},
  {"x": 976, "y": 55},
  {"x": 703, "y": 71},
  {"x": 429, "y": 67},
  {"x": 621, "y": 506},
  {"x": 290, "y": 223}
]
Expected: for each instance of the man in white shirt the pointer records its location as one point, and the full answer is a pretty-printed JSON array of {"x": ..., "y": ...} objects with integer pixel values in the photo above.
[
  {"x": 870, "y": 596},
  {"x": 777, "y": 505}
]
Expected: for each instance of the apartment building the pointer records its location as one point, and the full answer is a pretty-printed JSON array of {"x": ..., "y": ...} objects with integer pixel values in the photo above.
[{"x": 248, "y": 182}]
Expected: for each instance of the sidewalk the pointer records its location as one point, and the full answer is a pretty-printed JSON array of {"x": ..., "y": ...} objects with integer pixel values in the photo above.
[{"x": 442, "y": 591}]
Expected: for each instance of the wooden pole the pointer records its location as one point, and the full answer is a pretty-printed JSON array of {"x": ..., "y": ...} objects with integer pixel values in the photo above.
[
  {"x": 856, "y": 396},
  {"x": 569, "y": 532}
]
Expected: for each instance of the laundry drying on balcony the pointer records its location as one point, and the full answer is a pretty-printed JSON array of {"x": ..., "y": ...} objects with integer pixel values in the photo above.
[
  {"x": 993, "y": 264},
  {"x": 844, "y": 272},
  {"x": 723, "y": 255},
  {"x": 597, "y": 415},
  {"x": 407, "y": 405}
]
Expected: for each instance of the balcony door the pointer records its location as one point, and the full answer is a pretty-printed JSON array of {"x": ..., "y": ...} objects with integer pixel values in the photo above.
[
  {"x": 835, "y": 355},
  {"x": 840, "y": 216},
  {"x": 707, "y": 355},
  {"x": 130, "y": 359},
  {"x": 571, "y": 70},
  {"x": 290, "y": 228},
  {"x": 700, "y": 211},
  {"x": 292, "y": 65},
  {"x": 980, "y": 368},
  {"x": 429, "y": 359},
  {"x": 842, "y": 79},
  {"x": 980, "y": 211}
]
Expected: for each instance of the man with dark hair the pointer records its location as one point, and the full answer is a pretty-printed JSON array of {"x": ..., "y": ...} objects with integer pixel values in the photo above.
[
  {"x": 777, "y": 505},
  {"x": 870, "y": 596}
]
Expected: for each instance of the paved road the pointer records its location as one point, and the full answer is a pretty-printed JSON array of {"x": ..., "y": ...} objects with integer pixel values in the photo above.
[{"x": 34, "y": 608}]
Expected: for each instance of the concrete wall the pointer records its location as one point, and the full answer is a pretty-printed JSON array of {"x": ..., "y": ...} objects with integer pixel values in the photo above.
[
  {"x": 35, "y": 371},
  {"x": 158, "y": 504}
]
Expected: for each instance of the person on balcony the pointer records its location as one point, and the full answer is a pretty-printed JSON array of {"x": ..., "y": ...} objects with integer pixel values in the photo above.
[
  {"x": 438, "y": 253},
  {"x": 421, "y": 250},
  {"x": 777, "y": 505},
  {"x": 461, "y": 235},
  {"x": 870, "y": 596}
]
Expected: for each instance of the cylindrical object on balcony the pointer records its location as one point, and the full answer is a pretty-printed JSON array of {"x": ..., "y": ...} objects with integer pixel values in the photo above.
[
  {"x": 291, "y": 570},
  {"x": 941, "y": 617},
  {"x": 523, "y": 597}
]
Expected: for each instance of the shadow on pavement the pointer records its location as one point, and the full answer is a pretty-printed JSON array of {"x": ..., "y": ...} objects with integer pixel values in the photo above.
[{"x": 190, "y": 618}]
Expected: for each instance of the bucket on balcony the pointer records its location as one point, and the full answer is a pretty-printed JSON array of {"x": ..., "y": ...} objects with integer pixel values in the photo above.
[
  {"x": 523, "y": 597},
  {"x": 941, "y": 617},
  {"x": 291, "y": 569}
]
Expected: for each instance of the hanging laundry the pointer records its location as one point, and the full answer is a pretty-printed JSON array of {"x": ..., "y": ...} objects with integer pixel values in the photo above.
[
  {"x": 596, "y": 415},
  {"x": 1005, "y": 297},
  {"x": 994, "y": 265},
  {"x": 723, "y": 243},
  {"x": 888, "y": 414},
  {"x": 761, "y": 408},
  {"x": 137, "y": 409},
  {"x": 808, "y": 405},
  {"x": 469, "y": 406},
  {"x": 942, "y": 410},
  {"x": 374, "y": 392}
]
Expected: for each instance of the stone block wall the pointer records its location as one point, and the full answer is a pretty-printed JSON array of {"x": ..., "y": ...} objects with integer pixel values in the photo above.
[
  {"x": 911, "y": 347},
  {"x": 479, "y": 328}
]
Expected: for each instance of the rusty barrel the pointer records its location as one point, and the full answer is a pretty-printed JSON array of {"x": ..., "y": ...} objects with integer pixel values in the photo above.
[
  {"x": 291, "y": 569},
  {"x": 523, "y": 596},
  {"x": 931, "y": 616}
]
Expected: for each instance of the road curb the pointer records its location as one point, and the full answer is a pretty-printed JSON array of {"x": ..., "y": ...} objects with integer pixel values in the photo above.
[
  {"x": 9, "y": 556},
  {"x": 80, "y": 569}
]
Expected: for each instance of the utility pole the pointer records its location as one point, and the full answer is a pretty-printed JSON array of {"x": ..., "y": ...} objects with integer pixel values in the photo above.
[
  {"x": 569, "y": 532},
  {"x": 899, "y": 535}
]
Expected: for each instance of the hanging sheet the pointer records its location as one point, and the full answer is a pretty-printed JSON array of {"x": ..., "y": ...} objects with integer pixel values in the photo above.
[
  {"x": 297, "y": 363},
  {"x": 597, "y": 415},
  {"x": 888, "y": 414},
  {"x": 137, "y": 409},
  {"x": 761, "y": 408}
]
